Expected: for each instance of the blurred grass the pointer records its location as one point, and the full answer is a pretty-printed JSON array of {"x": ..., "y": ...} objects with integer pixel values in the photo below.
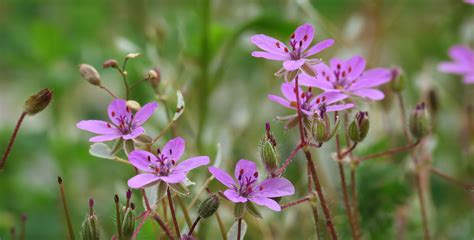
[{"x": 42, "y": 42}]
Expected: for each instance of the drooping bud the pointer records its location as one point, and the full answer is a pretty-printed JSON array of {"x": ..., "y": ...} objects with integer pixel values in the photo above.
[
  {"x": 111, "y": 63},
  {"x": 359, "y": 128},
  {"x": 209, "y": 206},
  {"x": 398, "y": 79},
  {"x": 38, "y": 102},
  {"x": 420, "y": 121},
  {"x": 90, "y": 226},
  {"x": 268, "y": 151},
  {"x": 154, "y": 77},
  {"x": 128, "y": 223},
  {"x": 90, "y": 74}
]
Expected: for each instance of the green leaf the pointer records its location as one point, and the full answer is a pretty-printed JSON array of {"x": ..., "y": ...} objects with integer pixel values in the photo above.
[
  {"x": 232, "y": 233},
  {"x": 179, "y": 106},
  {"x": 117, "y": 147},
  {"x": 128, "y": 146},
  {"x": 253, "y": 210},
  {"x": 101, "y": 150}
]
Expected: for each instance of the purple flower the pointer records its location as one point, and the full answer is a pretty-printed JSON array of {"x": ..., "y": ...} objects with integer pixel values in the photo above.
[
  {"x": 164, "y": 166},
  {"x": 310, "y": 104},
  {"x": 348, "y": 77},
  {"x": 247, "y": 189},
  {"x": 469, "y": 2},
  {"x": 295, "y": 56},
  {"x": 462, "y": 64},
  {"x": 124, "y": 124}
]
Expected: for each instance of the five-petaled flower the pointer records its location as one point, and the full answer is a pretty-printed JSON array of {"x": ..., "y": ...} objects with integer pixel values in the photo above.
[
  {"x": 246, "y": 187},
  {"x": 124, "y": 124},
  {"x": 348, "y": 77},
  {"x": 164, "y": 165},
  {"x": 462, "y": 64},
  {"x": 309, "y": 103},
  {"x": 294, "y": 56}
]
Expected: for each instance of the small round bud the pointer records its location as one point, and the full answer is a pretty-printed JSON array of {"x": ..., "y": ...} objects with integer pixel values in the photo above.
[
  {"x": 209, "y": 206},
  {"x": 154, "y": 77},
  {"x": 321, "y": 128},
  {"x": 359, "y": 128},
  {"x": 398, "y": 79},
  {"x": 111, "y": 63},
  {"x": 91, "y": 203},
  {"x": 420, "y": 121},
  {"x": 38, "y": 102},
  {"x": 90, "y": 74},
  {"x": 129, "y": 194},
  {"x": 134, "y": 105}
]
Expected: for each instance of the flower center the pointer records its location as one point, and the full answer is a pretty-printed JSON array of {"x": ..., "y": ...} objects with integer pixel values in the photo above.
[
  {"x": 125, "y": 121},
  {"x": 246, "y": 183},
  {"x": 342, "y": 82},
  {"x": 163, "y": 165}
]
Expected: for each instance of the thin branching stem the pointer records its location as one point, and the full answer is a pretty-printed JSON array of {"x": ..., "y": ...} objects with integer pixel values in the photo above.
[
  {"x": 451, "y": 179},
  {"x": 12, "y": 140},
  {"x": 66, "y": 209},
  {"x": 173, "y": 214},
  {"x": 291, "y": 204}
]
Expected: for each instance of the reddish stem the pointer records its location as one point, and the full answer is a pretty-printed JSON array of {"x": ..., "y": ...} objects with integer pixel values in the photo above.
[
  {"x": 142, "y": 222},
  {"x": 291, "y": 204},
  {"x": 173, "y": 214},
  {"x": 448, "y": 178},
  {"x": 12, "y": 140},
  {"x": 389, "y": 152},
  {"x": 288, "y": 160}
]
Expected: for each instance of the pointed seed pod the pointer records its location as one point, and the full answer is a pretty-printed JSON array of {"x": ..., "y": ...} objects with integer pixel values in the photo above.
[
  {"x": 38, "y": 102},
  {"x": 359, "y": 128},
  {"x": 209, "y": 206},
  {"x": 420, "y": 121},
  {"x": 90, "y": 226},
  {"x": 128, "y": 223},
  {"x": 268, "y": 151}
]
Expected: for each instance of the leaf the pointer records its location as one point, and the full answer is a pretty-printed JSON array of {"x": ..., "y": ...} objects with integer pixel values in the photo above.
[
  {"x": 117, "y": 147},
  {"x": 232, "y": 233},
  {"x": 101, "y": 150},
  {"x": 253, "y": 210},
  {"x": 179, "y": 106}
]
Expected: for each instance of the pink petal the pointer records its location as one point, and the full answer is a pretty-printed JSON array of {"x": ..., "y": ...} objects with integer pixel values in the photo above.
[
  {"x": 118, "y": 107},
  {"x": 318, "y": 47},
  {"x": 269, "y": 55},
  {"x": 372, "y": 78},
  {"x": 247, "y": 167},
  {"x": 280, "y": 100},
  {"x": 356, "y": 65},
  {"x": 145, "y": 113},
  {"x": 267, "y": 202},
  {"x": 222, "y": 177},
  {"x": 174, "y": 149},
  {"x": 142, "y": 180},
  {"x": 135, "y": 133},
  {"x": 273, "y": 187},
  {"x": 291, "y": 65},
  {"x": 141, "y": 159},
  {"x": 192, "y": 163},
  {"x": 303, "y": 34},
  {"x": 372, "y": 94},
  {"x": 331, "y": 97},
  {"x": 338, "y": 64},
  {"x": 97, "y": 127},
  {"x": 461, "y": 53},
  {"x": 318, "y": 81},
  {"x": 453, "y": 67},
  {"x": 339, "y": 107},
  {"x": 233, "y": 196},
  {"x": 270, "y": 45},
  {"x": 174, "y": 177},
  {"x": 468, "y": 79},
  {"x": 288, "y": 90},
  {"x": 104, "y": 138}
]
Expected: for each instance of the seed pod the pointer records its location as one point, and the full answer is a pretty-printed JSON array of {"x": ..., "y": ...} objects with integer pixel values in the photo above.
[
  {"x": 90, "y": 226},
  {"x": 359, "y": 128},
  {"x": 420, "y": 121},
  {"x": 268, "y": 151},
  {"x": 111, "y": 63},
  {"x": 38, "y": 102},
  {"x": 128, "y": 223},
  {"x": 321, "y": 128},
  {"x": 90, "y": 74},
  {"x": 154, "y": 77},
  {"x": 209, "y": 206},
  {"x": 398, "y": 80}
]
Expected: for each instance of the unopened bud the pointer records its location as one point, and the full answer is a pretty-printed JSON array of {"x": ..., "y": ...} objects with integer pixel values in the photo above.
[
  {"x": 420, "y": 121},
  {"x": 398, "y": 79},
  {"x": 90, "y": 74},
  {"x": 128, "y": 223},
  {"x": 132, "y": 55},
  {"x": 359, "y": 128},
  {"x": 134, "y": 105},
  {"x": 154, "y": 76},
  {"x": 38, "y": 102},
  {"x": 321, "y": 128},
  {"x": 209, "y": 206},
  {"x": 90, "y": 226},
  {"x": 268, "y": 151},
  {"x": 111, "y": 63}
]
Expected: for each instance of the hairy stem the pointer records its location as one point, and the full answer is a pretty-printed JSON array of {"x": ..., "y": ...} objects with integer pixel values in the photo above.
[
  {"x": 388, "y": 152},
  {"x": 450, "y": 179},
  {"x": 291, "y": 204},
  {"x": 163, "y": 226},
  {"x": 140, "y": 225},
  {"x": 288, "y": 160},
  {"x": 12, "y": 140},
  {"x": 173, "y": 214},
  {"x": 194, "y": 225},
  {"x": 66, "y": 209},
  {"x": 187, "y": 218}
]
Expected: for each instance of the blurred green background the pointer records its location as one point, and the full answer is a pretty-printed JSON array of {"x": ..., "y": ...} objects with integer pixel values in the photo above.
[{"x": 203, "y": 48}]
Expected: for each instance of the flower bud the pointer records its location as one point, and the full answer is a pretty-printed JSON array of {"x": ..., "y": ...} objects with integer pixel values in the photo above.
[
  {"x": 132, "y": 55},
  {"x": 398, "y": 80},
  {"x": 38, "y": 102},
  {"x": 111, "y": 63},
  {"x": 268, "y": 151},
  {"x": 209, "y": 206},
  {"x": 154, "y": 77},
  {"x": 359, "y": 128},
  {"x": 90, "y": 74},
  {"x": 128, "y": 223},
  {"x": 134, "y": 105},
  {"x": 90, "y": 226},
  {"x": 420, "y": 121}
]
